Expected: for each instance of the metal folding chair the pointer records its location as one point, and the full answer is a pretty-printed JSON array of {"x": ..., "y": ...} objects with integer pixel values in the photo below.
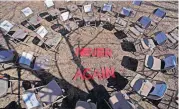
[
  {"x": 172, "y": 42},
  {"x": 43, "y": 96},
  {"x": 156, "y": 16},
  {"x": 148, "y": 89},
  {"x": 140, "y": 27}
]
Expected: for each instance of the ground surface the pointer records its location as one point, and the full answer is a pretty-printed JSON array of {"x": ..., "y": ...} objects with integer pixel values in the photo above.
[{"x": 65, "y": 66}]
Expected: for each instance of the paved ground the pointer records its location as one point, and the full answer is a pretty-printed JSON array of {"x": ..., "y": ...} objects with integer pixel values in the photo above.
[{"x": 65, "y": 66}]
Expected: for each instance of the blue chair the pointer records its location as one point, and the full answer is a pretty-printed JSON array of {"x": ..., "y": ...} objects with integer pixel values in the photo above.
[
  {"x": 140, "y": 27},
  {"x": 126, "y": 11},
  {"x": 149, "y": 89},
  {"x": 157, "y": 15},
  {"x": 168, "y": 62},
  {"x": 107, "y": 7},
  {"x": 7, "y": 56},
  {"x": 137, "y": 2},
  {"x": 158, "y": 39},
  {"x": 144, "y": 22}
]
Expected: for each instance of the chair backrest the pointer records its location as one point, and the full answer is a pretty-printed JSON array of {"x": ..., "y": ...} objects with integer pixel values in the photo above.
[
  {"x": 6, "y": 26},
  {"x": 7, "y": 56},
  {"x": 160, "y": 37},
  {"x": 158, "y": 91},
  {"x": 159, "y": 13},
  {"x": 65, "y": 16},
  {"x": 126, "y": 11},
  {"x": 137, "y": 2},
  {"x": 88, "y": 9},
  {"x": 49, "y": 3},
  {"x": 144, "y": 22},
  {"x": 26, "y": 59}
]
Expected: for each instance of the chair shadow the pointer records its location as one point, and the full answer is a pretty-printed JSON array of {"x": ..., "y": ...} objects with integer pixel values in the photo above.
[
  {"x": 128, "y": 46},
  {"x": 108, "y": 26},
  {"x": 118, "y": 83},
  {"x": 129, "y": 63},
  {"x": 120, "y": 34},
  {"x": 99, "y": 95}
]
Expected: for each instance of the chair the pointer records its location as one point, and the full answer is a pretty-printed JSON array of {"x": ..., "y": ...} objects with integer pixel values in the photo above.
[
  {"x": 121, "y": 101},
  {"x": 88, "y": 15},
  {"x": 158, "y": 39},
  {"x": 18, "y": 35},
  {"x": 13, "y": 32},
  {"x": 172, "y": 39},
  {"x": 43, "y": 96},
  {"x": 168, "y": 62},
  {"x": 156, "y": 16},
  {"x": 85, "y": 105},
  {"x": 52, "y": 42},
  {"x": 140, "y": 27},
  {"x": 107, "y": 16},
  {"x": 136, "y": 4},
  {"x": 149, "y": 89},
  {"x": 8, "y": 58}
]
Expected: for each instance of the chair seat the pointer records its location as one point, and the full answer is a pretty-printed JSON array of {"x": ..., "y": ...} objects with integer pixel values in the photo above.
[
  {"x": 135, "y": 31},
  {"x": 175, "y": 36},
  {"x": 153, "y": 62},
  {"x": 121, "y": 22},
  {"x": 159, "y": 90},
  {"x": 3, "y": 87},
  {"x": 171, "y": 39},
  {"x": 42, "y": 62},
  {"x": 50, "y": 93}
]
